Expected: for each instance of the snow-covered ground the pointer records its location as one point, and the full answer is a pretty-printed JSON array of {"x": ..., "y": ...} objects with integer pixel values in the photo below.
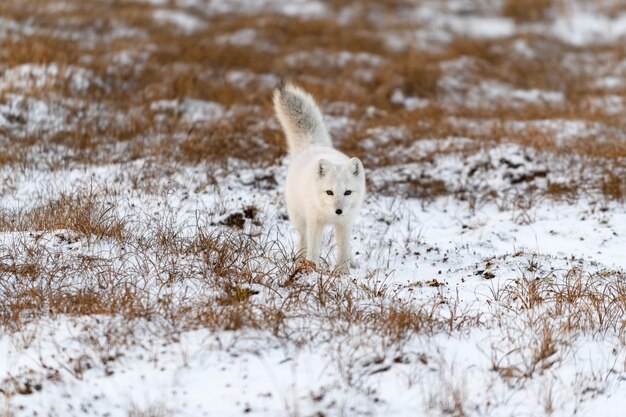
[
  {"x": 462, "y": 266},
  {"x": 140, "y": 278}
]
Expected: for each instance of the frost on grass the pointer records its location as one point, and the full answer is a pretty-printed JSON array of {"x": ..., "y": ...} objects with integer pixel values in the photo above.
[{"x": 147, "y": 262}]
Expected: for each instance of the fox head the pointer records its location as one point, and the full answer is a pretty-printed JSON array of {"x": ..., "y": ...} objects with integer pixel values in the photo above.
[{"x": 340, "y": 187}]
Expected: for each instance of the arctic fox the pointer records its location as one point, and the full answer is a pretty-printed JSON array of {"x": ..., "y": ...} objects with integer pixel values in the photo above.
[{"x": 324, "y": 186}]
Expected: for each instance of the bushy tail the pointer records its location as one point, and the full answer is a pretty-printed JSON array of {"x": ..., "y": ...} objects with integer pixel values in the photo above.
[{"x": 300, "y": 118}]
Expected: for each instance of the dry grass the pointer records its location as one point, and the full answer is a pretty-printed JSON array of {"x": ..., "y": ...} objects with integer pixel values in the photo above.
[
  {"x": 449, "y": 396},
  {"x": 241, "y": 282},
  {"x": 557, "y": 309},
  {"x": 83, "y": 213},
  {"x": 579, "y": 302},
  {"x": 154, "y": 410},
  {"x": 527, "y": 10},
  {"x": 614, "y": 186}
]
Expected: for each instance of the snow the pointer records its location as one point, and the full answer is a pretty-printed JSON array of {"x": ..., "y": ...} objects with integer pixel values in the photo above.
[
  {"x": 580, "y": 27},
  {"x": 18, "y": 111},
  {"x": 244, "y": 79},
  {"x": 8, "y": 26},
  {"x": 203, "y": 372},
  {"x": 28, "y": 77},
  {"x": 467, "y": 260},
  {"x": 321, "y": 59},
  {"x": 192, "y": 110},
  {"x": 241, "y": 37},
  {"x": 185, "y": 21},
  {"x": 482, "y": 27},
  {"x": 296, "y": 8},
  {"x": 410, "y": 103}
]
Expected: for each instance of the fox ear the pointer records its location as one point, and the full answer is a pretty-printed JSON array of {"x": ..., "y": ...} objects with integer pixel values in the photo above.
[
  {"x": 356, "y": 167},
  {"x": 322, "y": 167}
]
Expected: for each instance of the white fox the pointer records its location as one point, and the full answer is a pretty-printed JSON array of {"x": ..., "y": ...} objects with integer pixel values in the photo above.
[{"x": 324, "y": 186}]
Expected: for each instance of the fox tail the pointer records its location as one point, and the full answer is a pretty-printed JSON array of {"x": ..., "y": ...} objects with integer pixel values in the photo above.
[{"x": 300, "y": 118}]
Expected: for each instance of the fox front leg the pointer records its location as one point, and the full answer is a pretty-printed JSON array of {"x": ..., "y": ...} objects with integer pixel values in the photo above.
[
  {"x": 314, "y": 232},
  {"x": 300, "y": 224},
  {"x": 344, "y": 250}
]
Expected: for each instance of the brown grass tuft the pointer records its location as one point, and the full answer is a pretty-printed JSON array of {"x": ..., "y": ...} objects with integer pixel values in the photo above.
[
  {"x": 152, "y": 410},
  {"x": 614, "y": 186},
  {"x": 527, "y": 10},
  {"x": 82, "y": 213}
]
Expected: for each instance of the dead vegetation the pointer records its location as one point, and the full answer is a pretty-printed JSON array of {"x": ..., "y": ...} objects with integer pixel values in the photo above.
[
  {"x": 557, "y": 310},
  {"x": 154, "y": 410},
  {"x": 241, "y": 283},
  {"x": 126, "y": 86},
  {"x": 83, "y": 213},
  {"x": 201, "y": 66},
  {"x": 577, "y": 302},
  {"x": 527, "y": 10}
]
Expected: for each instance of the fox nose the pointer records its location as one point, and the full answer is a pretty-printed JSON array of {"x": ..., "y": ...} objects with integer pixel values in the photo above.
[{"x": 338, "y": 211}]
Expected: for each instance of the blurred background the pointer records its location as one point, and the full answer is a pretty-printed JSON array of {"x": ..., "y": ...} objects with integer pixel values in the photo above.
[{"x": 190, "y": 81}]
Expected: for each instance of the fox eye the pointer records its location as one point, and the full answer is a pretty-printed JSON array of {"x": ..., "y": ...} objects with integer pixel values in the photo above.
[
  {"x": 329, "y": 192},
  {"x": 348, "y": 192}
]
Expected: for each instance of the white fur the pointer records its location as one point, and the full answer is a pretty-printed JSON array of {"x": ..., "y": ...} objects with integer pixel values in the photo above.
[{"x": 315, "y": 168}]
